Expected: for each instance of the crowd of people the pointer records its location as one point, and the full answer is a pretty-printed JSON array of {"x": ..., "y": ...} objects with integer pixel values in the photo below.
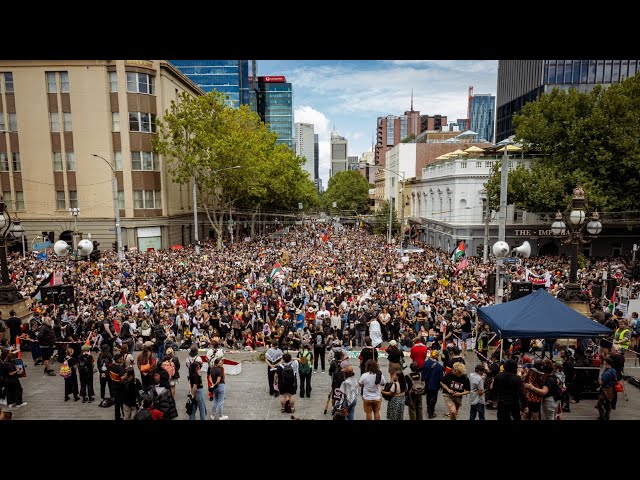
[{"x": 305, "y": 297}]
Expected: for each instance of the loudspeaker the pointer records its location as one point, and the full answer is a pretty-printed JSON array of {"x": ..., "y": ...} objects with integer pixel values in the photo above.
[
  {"x": 612, "y": 283},
  {"x": 520, "y": 289},
  {"x": 49, "y": 295},
  {"x": 537, "y": 286},
  {"x": 491, "y": 284},
  {"x": 596, "y": 291}
]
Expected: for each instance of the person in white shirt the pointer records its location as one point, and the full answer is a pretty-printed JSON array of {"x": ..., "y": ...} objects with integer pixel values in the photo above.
[
  {"x": 476, "y": 397},
  {"x": 372, "y": 383},
  {"x": 375, "y": 333}
]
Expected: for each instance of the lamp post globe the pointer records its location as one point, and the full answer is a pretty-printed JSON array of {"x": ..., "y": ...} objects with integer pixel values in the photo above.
[
  {"x": 558, "y": 227},
  {"x": 17, "y": 230},
  {"x": 61, "y": 248},
  {"x": 594, "y": 227},
  {"x": 500, "y": 249},
  {"x": 577, "y": 217}
]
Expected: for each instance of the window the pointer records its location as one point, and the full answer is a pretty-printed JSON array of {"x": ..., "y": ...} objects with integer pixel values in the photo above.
[
  {"x": 17, "y": 166},
  {"x": 67, "y": 121},
  {"x": 142, "y": 122},
  {"x": 54, "y": 122},
  {"x": 4, "y": 162},
  {"x": 8, "y": 199},
  {"x": 121, "y": 200},
  {"x": 147, "y": 199},
  {"x": 118, "y": 160},
  {"x": 57, "y": 161},
  {"x": 51, "y": 82},
  {"x": 71, "y": 162},
  {"x": 2, "y": 127},
  {"x": 144, "y": 161},
  {"x": 61, "y": 203},
  {"x": 141, "y": 83},
  {"x": 8, "y": 82},
  {"x": 73, "y": 199},
  {"x": 13, "y": 122},
  {"x": 113, "y": 82},
  {"x": 115, "y": 121},
  {"x": 19, "y": 200},
  {"x": 64, "y": 82},
  {"x": 607, "y": 71}
]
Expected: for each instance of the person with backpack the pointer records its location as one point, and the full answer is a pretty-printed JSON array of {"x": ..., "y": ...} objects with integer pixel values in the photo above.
[
  {"x": 131, "y": 387},
  {"x": 305, "y": 359},
  {"x": 174, "y": 378},
  {"x": 85, "y": 373},
  {"x": 160, "y": 394},
  {"x": 366, "y": 354},
  {"x": 147, "y": 365},
  {"x": 349, "y": 390},
  {"x": 337, "y": 377},
  {"x": 68, "y": 371},
  {"x": 319, "y": 348},
  {"x": 550, "y": 392},
  {"x": 415, "y": 391},
  {"x": 395, "y": 391},
  {"x": 273, "y": 358},
  {"x": 432, "y": 372},
  {"x": 287, "y": 375},
  {"x": 372, "y": 382}
]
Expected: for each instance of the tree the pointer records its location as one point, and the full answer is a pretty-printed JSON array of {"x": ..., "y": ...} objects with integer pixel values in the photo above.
[
  {"x": 350, "y": 191},
  {"x": 381, "y": 220},
  {"x": 408, "y": 138},
  {"x": 589, "y": 139}
]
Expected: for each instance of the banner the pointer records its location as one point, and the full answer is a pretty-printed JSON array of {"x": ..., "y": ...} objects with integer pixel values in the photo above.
[{"x": 543, "y": 279}]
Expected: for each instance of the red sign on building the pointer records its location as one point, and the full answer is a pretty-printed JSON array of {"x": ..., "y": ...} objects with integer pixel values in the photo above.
[{"x": 277, "y": 79}]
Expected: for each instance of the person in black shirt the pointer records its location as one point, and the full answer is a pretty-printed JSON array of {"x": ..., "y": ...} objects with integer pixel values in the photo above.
[
  {"x": 455, "y": 386},
  {"x": 509, "y": 391},
  {"x": 367, "y": 353},
  {"x": 116, "y": 372},
  {"x": 14, "y": 324}
]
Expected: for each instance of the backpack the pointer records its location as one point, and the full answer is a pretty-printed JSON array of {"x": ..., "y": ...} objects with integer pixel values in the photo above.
[
  {"x": 556, "y": 389},
  {"x": 288, "y": 376},
  {"x": 418, "y": 387},
  {"x": 305, "y": 362},
  {"x": 84, "y": 365},
  {"x": 319, "y": 341},
  {"x": 169, "y": 367},
  {"x": 65, "y": 370}
]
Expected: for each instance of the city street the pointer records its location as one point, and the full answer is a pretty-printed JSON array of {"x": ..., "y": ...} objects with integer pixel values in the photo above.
[{"x": 247, "y": 397}]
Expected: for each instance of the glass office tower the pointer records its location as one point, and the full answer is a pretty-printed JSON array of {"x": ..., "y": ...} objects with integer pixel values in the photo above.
[{"x": 275, "y": 106}]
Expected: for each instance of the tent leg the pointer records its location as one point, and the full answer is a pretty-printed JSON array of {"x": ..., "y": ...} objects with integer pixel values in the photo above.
[{"x": 501, "y": 343}]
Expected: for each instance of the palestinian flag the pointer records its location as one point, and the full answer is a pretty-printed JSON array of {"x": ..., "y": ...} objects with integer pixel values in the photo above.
[
  {"x": 277, "y": 268},
  {"x": 459, "y": 252},
  {"x": 463, "y": 264},
  {"x": 122, "y": 303},
  {"x": 612, "y": 302}
]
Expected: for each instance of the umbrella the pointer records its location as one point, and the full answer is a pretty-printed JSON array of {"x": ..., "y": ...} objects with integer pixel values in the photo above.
[
  {"x": 474, "y": 149},
  {"x": 459, "y": 152},
  {"x": 510, "y": 148},
  {"x": 442, "y": 157},
  {"x": 177, "y": 247},
  {"x": 468, "y": 133}
]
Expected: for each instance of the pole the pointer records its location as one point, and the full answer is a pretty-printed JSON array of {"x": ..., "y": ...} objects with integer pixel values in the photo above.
[
  {"x": 390, "y": 217},
  {"x": 485, "y": 247},
  {"x": 502, "y": 225},
  {"x": 24, "y": 255},
  {"x": 573, "y": 273},
  {"x": 195, "y": 216},
  {"x": 117, "y": 214},
  {"x": 402, "y": 220}
]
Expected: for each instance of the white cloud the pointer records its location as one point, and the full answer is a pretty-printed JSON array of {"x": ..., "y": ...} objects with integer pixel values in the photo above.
[{"x": 307, "y": 114}]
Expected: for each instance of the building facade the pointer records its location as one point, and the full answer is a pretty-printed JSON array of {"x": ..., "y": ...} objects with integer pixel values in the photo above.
[
  {"x": 338, "y": 154},
  {"x": 316, "y": 160},
  {"x": 483, "y": 110},
  {"x": 391, "y": 130},
  {"x": 305, "y": 147},
  {"x": 353, "y": 162},
  {"x": 60, "y": 115},
  {"x": 275, "y": 106},
  {"x": 522, "y": 81},
  {"x": 230, "y": 77}
]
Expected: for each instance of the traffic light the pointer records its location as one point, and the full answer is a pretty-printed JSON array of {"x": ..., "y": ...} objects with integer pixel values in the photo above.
[
  {"x": 115, "y": 246},
  {"x": 479, "y": 249}
]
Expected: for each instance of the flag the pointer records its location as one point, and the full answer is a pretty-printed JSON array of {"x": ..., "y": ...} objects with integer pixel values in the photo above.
[
  {"x": 463, "y": 264},
  {"x": 277, "y": 268},
  {"x": 459, "y": 252},
  {"x": 325, "y": 237},
  {"x": 612, "y": 302},
  {"x": 122, "y": 303},
  {"x": 438, "y": 259},
  {"x": 54, "y": 278}
]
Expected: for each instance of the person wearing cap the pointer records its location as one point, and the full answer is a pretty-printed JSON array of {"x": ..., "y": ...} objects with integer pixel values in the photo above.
[
  {"x": 85, "y": 372},
  {"x": 432, "y": 372}
]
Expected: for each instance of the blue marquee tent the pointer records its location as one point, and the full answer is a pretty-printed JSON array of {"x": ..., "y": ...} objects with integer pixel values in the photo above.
[{"x": 540, "y": 315}]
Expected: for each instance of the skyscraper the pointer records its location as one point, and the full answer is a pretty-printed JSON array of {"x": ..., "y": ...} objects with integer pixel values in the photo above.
[
  {"x": 338, "y": 154},
  {"x": 316, "y": 157},
  {"x": 305, "y": 147},
  {"x": 230, "y": 77},
  {"x": 522, "y": 81},
  {"x": 483, "y": 108},
  {"x": 275, "y": 106}
]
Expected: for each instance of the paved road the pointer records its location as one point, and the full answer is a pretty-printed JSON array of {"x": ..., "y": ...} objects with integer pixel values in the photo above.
[{"x": 247, "y": 397}]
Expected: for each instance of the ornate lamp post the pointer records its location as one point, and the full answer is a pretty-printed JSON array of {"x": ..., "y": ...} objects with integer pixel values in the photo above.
[
  {"x": 570, "y": 227},
  {"x": 8, "y": 292}
]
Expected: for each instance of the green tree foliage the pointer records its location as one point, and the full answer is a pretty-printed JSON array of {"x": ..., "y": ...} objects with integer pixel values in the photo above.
[
  {"x": 589, "y": 139},
  {"x": 350, "y": 191},
  {"x": 381, "y": 220},
  {"x": 202, "y": 138}
]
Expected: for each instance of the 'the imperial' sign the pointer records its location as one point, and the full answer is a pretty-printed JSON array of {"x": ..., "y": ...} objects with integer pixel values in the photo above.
[{"x": 538, "y": 232}]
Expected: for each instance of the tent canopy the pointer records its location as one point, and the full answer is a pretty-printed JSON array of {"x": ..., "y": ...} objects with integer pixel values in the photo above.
[{"x": 540, "y": 315}]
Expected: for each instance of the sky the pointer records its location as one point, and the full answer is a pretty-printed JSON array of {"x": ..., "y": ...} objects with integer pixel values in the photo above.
[{"x": 351, "y": 94}]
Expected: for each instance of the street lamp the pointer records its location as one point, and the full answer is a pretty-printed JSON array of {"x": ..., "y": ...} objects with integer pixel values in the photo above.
[
  {"x": 571, "y": 226},
  {"x": 195, "y": 205},
  {"x": 8, "y": 292},
  {"x": 116, "y": 207},
  {"x": 391, "y": 210},
  {"x": 17, "y": 231}
]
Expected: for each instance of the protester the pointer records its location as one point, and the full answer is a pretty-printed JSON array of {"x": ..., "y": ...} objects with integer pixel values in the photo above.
[
  {"x": 372, "y": 382},
  {"x": 218, "y": 381}
]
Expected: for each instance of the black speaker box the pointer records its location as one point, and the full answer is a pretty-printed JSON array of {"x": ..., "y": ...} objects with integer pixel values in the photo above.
[{"x": 520, "y": 289}]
